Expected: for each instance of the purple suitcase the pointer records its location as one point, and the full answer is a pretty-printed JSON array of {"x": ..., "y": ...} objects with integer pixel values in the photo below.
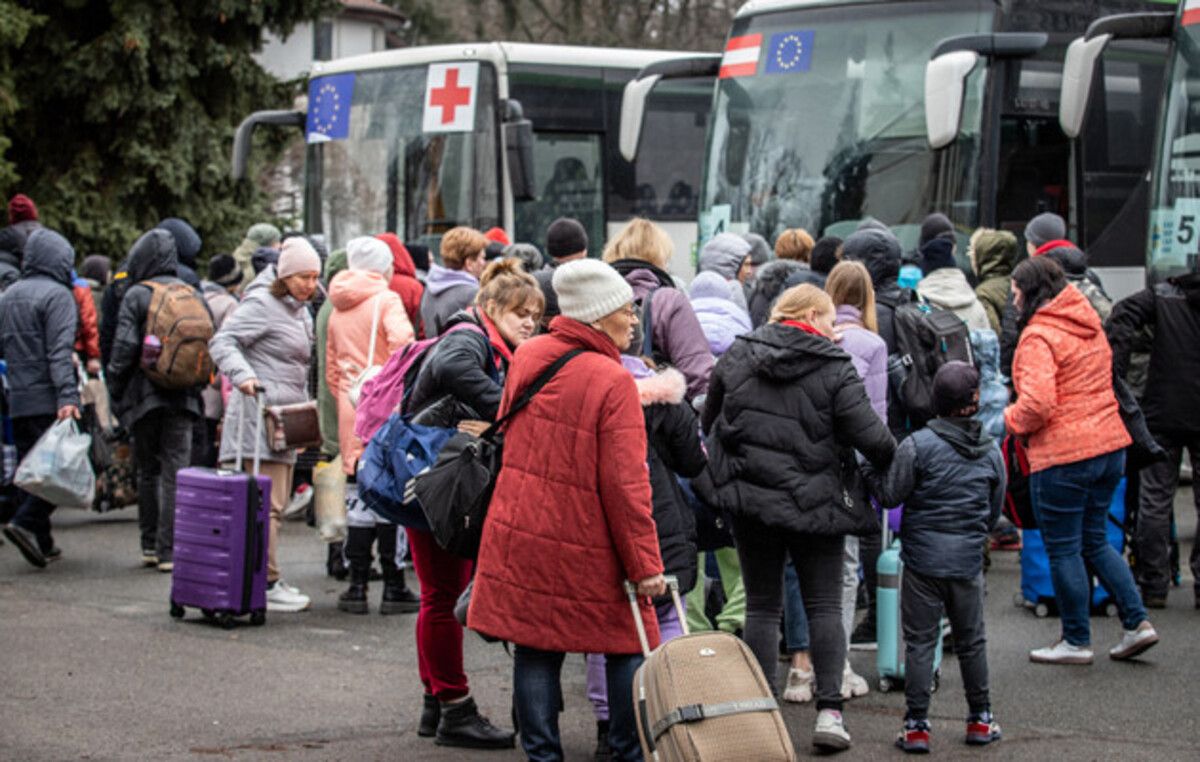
[{"x": 221, "y": 526}]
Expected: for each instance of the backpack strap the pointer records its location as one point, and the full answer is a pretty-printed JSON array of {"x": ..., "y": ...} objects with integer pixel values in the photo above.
[
  {"x": 527, "y": 395},
  {"x": 647, "y": 321}
]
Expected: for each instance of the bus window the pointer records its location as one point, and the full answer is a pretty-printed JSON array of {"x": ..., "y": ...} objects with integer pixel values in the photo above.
[{"x": 569, "y": 177}]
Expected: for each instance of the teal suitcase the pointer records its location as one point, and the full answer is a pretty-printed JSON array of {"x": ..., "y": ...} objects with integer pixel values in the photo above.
[{"x": 889, "y": 632}]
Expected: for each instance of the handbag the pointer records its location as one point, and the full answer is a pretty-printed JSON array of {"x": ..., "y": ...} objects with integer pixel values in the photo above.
[
  {"x": 455, "y": 493},
  {"x": 293, "y": 427},
  {"x": 372, "y": 370}
]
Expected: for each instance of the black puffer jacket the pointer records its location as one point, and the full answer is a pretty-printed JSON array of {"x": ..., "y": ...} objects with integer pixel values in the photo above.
[
  {"x": 1172, "y": 311},
  {"x": 879, "y": 251},
  {"x": 460, "y": 376},
  {"x": 785, "y": 411},
  {"x": 152, "y": 257},
  {"x": 951, "y": 479},
  {"x": 38, "y": 318},
  {"x": 769, "y": 282}
]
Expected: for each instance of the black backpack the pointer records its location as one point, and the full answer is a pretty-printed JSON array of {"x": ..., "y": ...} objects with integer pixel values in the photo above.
[{"x": 926, "y": 339}]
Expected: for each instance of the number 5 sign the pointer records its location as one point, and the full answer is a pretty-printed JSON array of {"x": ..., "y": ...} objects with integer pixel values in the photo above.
[{"x": 450, "y": 97}]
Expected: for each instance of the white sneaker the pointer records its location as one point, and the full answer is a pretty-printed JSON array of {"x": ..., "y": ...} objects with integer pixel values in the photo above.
[
  {"x": 799, "y": 688},
  {"x": 300, "y": 500},
  {"x": 853, "y": 684},
  {"x": 1134, "y": 642},
  {"x": 1062, "y": 652},
  {"x": 285, "y": 599},
  {"x": 830, "y": 733}
]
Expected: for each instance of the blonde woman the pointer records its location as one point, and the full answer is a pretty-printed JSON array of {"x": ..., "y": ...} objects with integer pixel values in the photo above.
[
  {"x": 641, "y": 253},
  {"x": 786, "y": 410}
]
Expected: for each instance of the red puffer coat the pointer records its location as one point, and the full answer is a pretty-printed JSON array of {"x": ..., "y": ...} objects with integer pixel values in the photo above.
[{"x": 571, "y": 518}]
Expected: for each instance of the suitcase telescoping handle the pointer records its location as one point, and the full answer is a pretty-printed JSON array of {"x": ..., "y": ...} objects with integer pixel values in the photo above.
[
  {"x": 261, "y": 396},
  {"x": 631, "y": 593}
]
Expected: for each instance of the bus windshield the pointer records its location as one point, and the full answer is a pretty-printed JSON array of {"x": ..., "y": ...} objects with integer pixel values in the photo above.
[
  {"x": 386, "y": 174},
  {"x": 828, "y": 127},
  {"x": 1175, "y": 191}
]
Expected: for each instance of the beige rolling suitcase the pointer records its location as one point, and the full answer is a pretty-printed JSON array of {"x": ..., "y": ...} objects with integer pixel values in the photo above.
[{"x": 703, "y": 697}]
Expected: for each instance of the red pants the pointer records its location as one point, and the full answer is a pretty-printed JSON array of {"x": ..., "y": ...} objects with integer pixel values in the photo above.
[{"x": 443, "y": 577}]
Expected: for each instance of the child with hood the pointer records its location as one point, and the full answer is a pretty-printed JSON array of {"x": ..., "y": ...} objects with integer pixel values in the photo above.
[
  {"x": 728, "y": 255},
  {"x": 721, "y": 319}
]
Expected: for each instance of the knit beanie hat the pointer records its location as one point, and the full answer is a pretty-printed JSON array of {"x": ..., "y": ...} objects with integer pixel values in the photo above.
[
  {"x": 955, "y": 387},
  {"x": 589, "y": 289},
  {"x": 824, "y": 256},
  {"x": 724, "y": 254},
  {"x": 419, "y": 253},
  {"x": 263, "y": 257},
  {"x": 565, "y": 237},
  {"x": 1045, "y": 227},
  {"x": 937, "y": 254},
  {"x": 497, "y": 235},
  {"x": 369, "y": 254},
  {"x": 760, "y": 252},
  {"x": 224, "y": 271},
  {"x": 298, "y": 256},
  {"x": 187, "y": 240},
  {"x": 934, "y": 225},
  {"x": 21, "y": 208},
  {"x": 264, "y": 234}
]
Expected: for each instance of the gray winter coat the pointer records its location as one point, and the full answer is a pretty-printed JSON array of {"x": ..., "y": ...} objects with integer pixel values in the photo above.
[
  {"x": 134, "y": 394},
  {"x": 271, "y": 340},
  {"x": 951, "y": 479},
  {"x": 37, "y": 329}
]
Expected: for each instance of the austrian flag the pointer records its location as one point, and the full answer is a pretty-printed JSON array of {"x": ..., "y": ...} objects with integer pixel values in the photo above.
[
  {"x": 741, "y": 56},
  {"x": 1191, "y": 13}
]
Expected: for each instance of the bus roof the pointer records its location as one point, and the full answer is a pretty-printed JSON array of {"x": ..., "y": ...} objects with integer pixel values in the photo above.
[
  {"x": 500, "y": 53},
  {"x": 755, "y": 7}
]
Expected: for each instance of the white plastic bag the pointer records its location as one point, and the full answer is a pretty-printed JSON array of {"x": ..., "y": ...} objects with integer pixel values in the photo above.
[
  {"x": 329, "y": 501},
  {"x": 57, "y": 469}
]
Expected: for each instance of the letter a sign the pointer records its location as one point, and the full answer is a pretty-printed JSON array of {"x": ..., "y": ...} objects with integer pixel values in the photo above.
[{"x": 450, "y": 97}]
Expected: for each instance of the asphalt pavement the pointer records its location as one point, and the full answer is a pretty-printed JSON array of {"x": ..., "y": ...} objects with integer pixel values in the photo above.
[{"x": 94, "y": 668}]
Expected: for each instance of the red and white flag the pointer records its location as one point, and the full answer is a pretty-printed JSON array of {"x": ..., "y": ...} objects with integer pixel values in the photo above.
[
  {"x": 1191, "y": 13},
  {"x": 450, "y": 97},
  {"x": 741, "y": 56}
]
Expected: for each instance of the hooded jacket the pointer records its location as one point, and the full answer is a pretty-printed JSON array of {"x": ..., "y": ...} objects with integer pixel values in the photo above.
[
  {"x": 152, "y": 257},
  {"x": 564, "y": 532},
  {"x": 467, "y": 368},
  {"x": 769, "y": 282},
  {"x": 1171, "y": 311},
  {"x": 1063, "y": 377},
  {"x": 446, "y": 292},
  {"x": 326, "y": 402},
  {"x": 879, "y": 251},
  {"x": 993, "y": 391},
  {"x": 221, "y": 304},
  {"x": 676, "y": 331},
  {"x": 994, "y": 255},
  {"x": 785, "y": 412},
  {"x": 868, "y": 353},
  {"x": 187, "y": 249},
  {"x": 724, "y": 255},
  {"x": 355, "y": 294},
  {"x": 404, "y": 281},
  {"x": 948, "y": 289},
  {"x": 38, "y": 319},
  {"x": 268, "y": 339},
  {"x": 950, "y": 477},
  {"x": 721, "y": 320},
  {"x": 12, "y": 247}
]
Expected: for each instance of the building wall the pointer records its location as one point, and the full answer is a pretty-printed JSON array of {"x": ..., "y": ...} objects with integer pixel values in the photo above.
[{"x": 292, "y": 57}]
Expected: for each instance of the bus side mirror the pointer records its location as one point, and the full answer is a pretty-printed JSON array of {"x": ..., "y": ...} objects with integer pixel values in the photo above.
[
  {"x": 1079, "y": 68},
  {"x": 736, "y": 147},
  {"x": 518, "y": 149},
  {"x": 945, "y": 91},
  {"x": 245, "y": 132},
  {"x": 633, "y": 114}
]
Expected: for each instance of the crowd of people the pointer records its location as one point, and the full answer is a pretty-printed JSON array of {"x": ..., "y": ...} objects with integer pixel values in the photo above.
[{"x": 762, "y": 396}]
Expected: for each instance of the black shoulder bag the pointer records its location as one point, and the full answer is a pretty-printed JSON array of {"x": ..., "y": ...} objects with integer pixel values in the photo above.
[{"x": 454, "y": 494}]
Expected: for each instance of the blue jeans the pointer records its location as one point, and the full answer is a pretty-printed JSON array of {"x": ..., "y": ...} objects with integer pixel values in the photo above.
[
  {"x": 1071, "y": 504},
  {"x": 795, "y": 621},
  {"x": 537, "y": 691}
]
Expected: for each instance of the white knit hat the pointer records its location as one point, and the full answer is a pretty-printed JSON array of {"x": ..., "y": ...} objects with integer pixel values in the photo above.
[
  {"x": 588, "y": 289},
  {"x": 370, "y": 254},
  {"x": 297, "y": 256}
]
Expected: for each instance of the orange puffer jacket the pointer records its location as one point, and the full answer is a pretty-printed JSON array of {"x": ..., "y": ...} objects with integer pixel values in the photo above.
[{"x": 1062, "y": 373}]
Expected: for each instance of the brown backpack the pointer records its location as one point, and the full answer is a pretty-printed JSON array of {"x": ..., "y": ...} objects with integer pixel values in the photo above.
[{"x": 180, "y": 319}]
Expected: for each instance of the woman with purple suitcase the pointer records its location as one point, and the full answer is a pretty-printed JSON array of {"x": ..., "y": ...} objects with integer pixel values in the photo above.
[{"x": 267, "y": 343}]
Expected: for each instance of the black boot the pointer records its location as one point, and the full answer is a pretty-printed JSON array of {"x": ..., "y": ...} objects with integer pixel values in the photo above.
[
  {"x": 603, "y": 752},
  {"x": 462, "y": 725},
  {"x": 354, "y": 600},
  {"x": 335, "y": 563},
  {"x": 431, "y": 715},
  {"x": 397, "y": 598}
]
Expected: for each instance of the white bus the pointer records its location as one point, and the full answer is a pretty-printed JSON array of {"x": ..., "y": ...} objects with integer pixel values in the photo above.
[{"x": 418, "y": 140}]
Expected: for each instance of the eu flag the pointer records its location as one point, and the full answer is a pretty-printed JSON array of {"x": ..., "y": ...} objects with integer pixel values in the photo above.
[
  {"x": 329, "y": 108},
  {"x": 790, "y": 52}
]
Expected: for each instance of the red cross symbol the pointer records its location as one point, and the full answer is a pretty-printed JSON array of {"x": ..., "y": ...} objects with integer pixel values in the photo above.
[{"x": 450, "y": 96}]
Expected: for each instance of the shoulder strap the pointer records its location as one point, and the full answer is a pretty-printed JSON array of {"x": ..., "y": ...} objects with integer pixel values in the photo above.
[
  {"x": 374, "y": 329},
  {"x": 535, "y": 387},
  {"x": 647, "y": 320}
]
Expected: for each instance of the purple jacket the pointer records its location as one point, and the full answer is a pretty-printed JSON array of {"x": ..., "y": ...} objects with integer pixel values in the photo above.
[
  {"x": 869, "y": 354},
  {"x": 677, "y": 331}
]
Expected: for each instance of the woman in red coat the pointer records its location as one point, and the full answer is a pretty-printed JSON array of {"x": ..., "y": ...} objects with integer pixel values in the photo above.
[{"x": 570, "y": 519}]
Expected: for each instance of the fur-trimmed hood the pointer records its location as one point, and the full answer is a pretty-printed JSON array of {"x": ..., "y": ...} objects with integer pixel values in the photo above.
[{"x": 666, "y": 388}]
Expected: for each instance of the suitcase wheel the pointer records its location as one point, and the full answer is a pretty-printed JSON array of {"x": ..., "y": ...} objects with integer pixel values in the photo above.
[
  {"x": 1110, "y": 609},
  {"x": 225, "y": 621},
  {"x": 885, "y": 685},
  {"x": 1018, "y": 600},
  {"x": 208, "y": 614},
  {"x": 176, "y": 610},
  {"x": 258, "y": 618},
  {"x": 1041, "y": 610}
]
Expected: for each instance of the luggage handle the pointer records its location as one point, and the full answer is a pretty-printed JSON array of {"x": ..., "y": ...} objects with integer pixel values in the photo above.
[
  {"x": 631, "y": 592},
  {"x": 261, "y": 396}
]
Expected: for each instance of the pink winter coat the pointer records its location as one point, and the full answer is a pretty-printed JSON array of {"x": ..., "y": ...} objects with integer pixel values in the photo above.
[{"x": 353, "y": 294}]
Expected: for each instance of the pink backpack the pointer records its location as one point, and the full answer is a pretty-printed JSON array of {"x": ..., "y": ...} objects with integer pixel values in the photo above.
[{"x": 381, "y": 395}]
